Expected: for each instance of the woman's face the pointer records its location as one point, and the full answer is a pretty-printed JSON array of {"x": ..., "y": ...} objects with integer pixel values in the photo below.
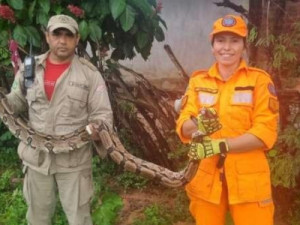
[{"x": 228, "y": 48}]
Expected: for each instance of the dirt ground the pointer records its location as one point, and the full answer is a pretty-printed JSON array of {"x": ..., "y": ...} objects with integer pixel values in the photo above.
[{"x": 135, "y": 201}]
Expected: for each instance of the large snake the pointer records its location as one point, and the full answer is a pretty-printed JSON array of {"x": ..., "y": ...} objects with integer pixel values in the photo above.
[{"x": 109, "y": 140}]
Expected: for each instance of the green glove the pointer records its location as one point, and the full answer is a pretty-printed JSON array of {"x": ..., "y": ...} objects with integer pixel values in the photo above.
[
  {"x": 207, "y": 122},
  {"x": 207, "y": 148}
]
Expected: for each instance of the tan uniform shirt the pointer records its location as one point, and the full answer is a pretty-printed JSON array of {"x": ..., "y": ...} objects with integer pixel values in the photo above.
[{"x": 79, "y": 98}]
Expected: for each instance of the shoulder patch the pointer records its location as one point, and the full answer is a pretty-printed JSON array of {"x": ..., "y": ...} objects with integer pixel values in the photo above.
[
  {"x": 88, "y": 64},
  {"x": 272, "y": 89}
]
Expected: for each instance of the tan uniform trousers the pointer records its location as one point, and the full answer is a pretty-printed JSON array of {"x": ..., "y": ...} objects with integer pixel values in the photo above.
[
  {"x": 75, "y": 191},
  {"x": 252, "y": 213}
]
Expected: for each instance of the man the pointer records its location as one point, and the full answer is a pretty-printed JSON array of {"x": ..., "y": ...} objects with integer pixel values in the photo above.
[
  {"x": 233, "y": 174},
  {"x": 68, "y": 92}
]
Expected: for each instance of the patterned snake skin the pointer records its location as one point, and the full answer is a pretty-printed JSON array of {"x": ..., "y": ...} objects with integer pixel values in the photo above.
[{"x": 109, "y": 140}]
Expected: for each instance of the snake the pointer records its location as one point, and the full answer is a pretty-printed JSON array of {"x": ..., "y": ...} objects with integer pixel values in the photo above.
[{"x": 19, "y": 127}]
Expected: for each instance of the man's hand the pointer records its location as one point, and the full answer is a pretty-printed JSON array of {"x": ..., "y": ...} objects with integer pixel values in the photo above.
[
  {"x": 208, "y": 121},
  {"x": 207, "y": 148},
  {"x": 92, "y": 132}
]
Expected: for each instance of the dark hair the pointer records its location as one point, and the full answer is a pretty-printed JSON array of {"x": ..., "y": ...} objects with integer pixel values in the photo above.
[{"x": 213, "y": 39}]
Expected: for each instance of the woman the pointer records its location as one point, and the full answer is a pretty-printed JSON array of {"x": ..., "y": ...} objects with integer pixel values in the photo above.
[{"x": 244, "y": 98}]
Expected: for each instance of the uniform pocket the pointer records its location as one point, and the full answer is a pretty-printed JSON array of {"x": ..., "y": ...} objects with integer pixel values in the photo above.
[
  {"x": 207, "y": 99},
  {"x": 241, "y": 108},
  {"x": 31, "y": 156},
  {"x": 253, "y": 180},
  {"x": 202, "y": 183},
  {"x": 76, "y": 102},
  {"x": 86, "y": 187}
]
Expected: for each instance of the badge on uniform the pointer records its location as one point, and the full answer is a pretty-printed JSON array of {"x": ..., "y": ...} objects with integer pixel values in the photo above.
[{"x": 272, "y": 89}]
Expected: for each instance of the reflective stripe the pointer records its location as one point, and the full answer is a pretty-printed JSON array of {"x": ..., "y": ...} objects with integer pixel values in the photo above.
[
  {"x": 207, "y": 99},
  {"x": 242, "y": 97}
]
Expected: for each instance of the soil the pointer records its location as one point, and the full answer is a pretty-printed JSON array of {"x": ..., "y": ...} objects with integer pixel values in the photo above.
[{"x": 135, "y": 201}]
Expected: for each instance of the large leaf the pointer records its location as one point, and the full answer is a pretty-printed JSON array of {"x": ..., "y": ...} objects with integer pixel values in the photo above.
[
  {"x": 159, "y": 34},
  {"x": 128, "y": 49},
  {"x": 31, "y": 10},
  {"x": 117, "y": 7},
  {"x": 95, "y": 31},
  {"x": 88, "y": 7},
  {"x": 42, "y": 18},
  {"x": 142, "y": 39},
  {"x": 83, "y": 30},
  {"x": 33, "y": 36},
  {"x": 58, "y": 9},
  {"x": 127, "y": 18},
  {"x": 104, "y": 8},
  {"x": 19, "y": 34},
  {"x": 145, "y": 52},
  {"x": 16, "y": 4},
  {"x": 143, "y": 5},
  {"x": 162, "y": 21},
  {"x": 45, "y": 5}
]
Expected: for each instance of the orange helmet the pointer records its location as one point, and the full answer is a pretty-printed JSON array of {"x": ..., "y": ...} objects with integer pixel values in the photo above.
[{"x": 230, "y": 23}]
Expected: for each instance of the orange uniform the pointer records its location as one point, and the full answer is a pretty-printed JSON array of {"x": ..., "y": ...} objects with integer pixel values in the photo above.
[{"x": 246, "y": 103}]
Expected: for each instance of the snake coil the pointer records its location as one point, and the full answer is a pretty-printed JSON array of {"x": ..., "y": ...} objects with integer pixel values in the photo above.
[{"x": 110, "y": 141}]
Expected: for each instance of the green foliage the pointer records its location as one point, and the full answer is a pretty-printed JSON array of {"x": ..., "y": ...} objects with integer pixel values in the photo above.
[
  {"x": 155, "y": 215},
  {"x": 283, "y": 50},
  {"x": 8, "y": 146},
  {"x": 106, "y": 212},
  {"x": 113, "y": 24},
  {"x": 181, "y": 211},
  {"x": 14, "y": 208},
  {"x": 131, "y": 180},
  {"x": 179, "y": 155},
  {"x": 285, "y": 158},
  {"x": 59, "y": 216},
  {"x": 5, "y": 183}
]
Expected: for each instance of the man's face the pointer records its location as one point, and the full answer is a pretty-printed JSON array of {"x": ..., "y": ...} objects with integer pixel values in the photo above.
[{"x": 62, "y": 44}]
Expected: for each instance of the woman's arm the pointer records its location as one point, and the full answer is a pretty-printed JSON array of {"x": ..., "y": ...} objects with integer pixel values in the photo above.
[{"x": 244, "y": 142}]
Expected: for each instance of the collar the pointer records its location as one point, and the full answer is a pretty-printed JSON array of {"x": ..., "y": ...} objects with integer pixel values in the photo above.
[
  {"x": 41, "y": 59},
  {"x": 214, "y": 71}
]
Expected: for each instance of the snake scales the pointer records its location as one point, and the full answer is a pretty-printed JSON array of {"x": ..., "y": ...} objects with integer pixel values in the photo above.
[{"x": 110, "y": 141}]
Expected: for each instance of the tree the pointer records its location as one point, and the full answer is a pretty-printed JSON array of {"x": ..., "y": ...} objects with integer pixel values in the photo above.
[{"x": 112, "y": 30}]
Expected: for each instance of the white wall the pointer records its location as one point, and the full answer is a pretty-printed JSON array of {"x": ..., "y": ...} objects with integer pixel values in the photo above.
[{"x": 189, "y": 24}]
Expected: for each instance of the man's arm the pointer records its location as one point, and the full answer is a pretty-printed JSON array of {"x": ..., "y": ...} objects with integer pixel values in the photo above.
[
  {"x": 16, "y": 98},
  {"x": 99, "y": 107}
]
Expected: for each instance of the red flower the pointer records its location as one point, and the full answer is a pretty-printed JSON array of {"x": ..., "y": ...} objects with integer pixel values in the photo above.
[
  {"x": 78, "y": 12},
  {"x": 7, "y": 13},
  {"x": 15, "y": 57}
]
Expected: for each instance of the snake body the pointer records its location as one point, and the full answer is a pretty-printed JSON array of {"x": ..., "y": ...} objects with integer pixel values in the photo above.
[{"x": 109, "y": 140}]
